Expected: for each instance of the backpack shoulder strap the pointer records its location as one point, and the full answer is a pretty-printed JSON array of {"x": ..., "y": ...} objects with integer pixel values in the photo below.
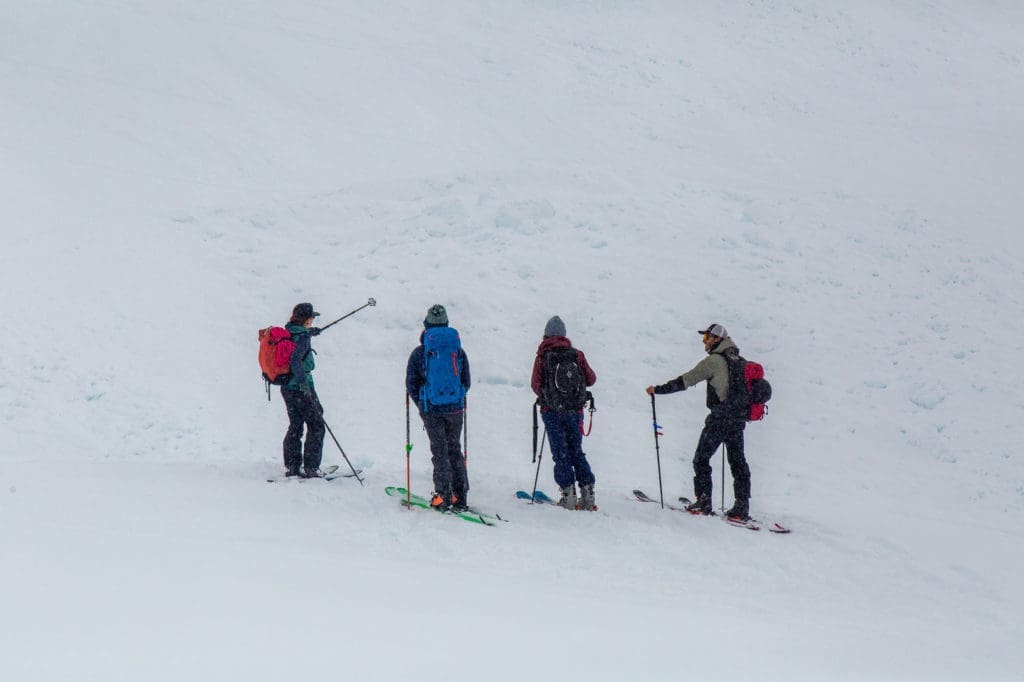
[{"x": 296, "y": 336}]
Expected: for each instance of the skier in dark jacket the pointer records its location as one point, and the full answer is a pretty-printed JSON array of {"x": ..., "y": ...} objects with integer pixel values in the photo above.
[
  {"x": 723, "y": 424},
  {"x": 300, "y": 399},
  {"x": 439, "y": 393},
  {"x": 564, "y": 427}
]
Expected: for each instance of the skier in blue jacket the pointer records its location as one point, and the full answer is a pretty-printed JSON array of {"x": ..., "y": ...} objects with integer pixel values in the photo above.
[{"x": 437, "y": 379}]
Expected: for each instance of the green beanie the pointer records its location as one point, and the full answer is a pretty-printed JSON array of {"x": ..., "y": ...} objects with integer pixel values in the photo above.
[{"x": 436, "y": 317}]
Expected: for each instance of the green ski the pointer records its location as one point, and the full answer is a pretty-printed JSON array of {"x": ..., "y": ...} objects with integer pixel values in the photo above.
[{"x": 417, "y": 501}]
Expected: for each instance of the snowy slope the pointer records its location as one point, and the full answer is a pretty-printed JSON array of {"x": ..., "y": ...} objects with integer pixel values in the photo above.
[{"x": 835, "y": 184}]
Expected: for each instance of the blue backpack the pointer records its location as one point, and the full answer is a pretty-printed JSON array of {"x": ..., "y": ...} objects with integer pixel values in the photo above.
[{"x": 441, "y": 347}]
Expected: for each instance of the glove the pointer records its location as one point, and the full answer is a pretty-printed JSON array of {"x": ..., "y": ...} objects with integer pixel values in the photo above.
[
  {"x": 315, "y": 331},
  {"x": 306, "y": 389}
]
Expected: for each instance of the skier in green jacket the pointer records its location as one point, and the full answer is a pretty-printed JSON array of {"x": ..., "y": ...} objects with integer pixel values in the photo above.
[{"x": 301, "y": 401}]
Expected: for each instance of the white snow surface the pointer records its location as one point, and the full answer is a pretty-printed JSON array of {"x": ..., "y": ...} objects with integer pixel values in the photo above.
[{"x": 837, "y": 183}]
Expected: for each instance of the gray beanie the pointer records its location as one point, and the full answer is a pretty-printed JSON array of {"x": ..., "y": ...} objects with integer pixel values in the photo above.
[
  {"x": 436, "y": 317},
  {"x": 554, "y": 327}
]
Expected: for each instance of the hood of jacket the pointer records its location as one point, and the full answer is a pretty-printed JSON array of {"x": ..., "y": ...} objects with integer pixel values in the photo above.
[
  {"x": 550, "y": 342},
  {"x": 724, "y": 346}
]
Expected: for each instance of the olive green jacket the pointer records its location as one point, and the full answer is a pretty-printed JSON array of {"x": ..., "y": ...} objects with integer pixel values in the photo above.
[{"x": 712, "y": 369}]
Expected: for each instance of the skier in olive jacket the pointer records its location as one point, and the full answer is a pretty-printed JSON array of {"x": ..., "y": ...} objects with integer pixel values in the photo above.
[
  {"x": 723, "y": 424},
  {"x": 300, "y": 399}
]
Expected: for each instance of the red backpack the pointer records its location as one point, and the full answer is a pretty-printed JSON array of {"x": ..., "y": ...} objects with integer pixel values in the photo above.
[
  {"x": 759, "y": 388},
  {"x": 748, "y": 389},
  {"x": 276, "y": 348}
]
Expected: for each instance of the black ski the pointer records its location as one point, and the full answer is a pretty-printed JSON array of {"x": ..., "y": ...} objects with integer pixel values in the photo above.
[
  {"x": 643, "y": 497},
  {"x": 750, "y": 524},
  {"x": 329, "y": 473}
]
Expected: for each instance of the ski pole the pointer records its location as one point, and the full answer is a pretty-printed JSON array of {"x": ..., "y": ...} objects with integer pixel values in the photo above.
[
  {"x": 725, "y": 456},
  {"x": 408, "y": 449},
  {"x": 540, "y": 456},
  {"x": 370, "y": 302},
  {"x": 534, "y": 433},
  {"x": 465, "y": 434},
  {"x": 657, "y": 450},
  {"x": 354, "y": 472}
]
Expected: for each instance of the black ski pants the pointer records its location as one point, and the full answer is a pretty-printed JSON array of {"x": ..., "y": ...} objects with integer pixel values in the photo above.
[
  {"x": 716, "y": 432},
  {"x": 304, "y": 411},
  {"x": 445, "y": 432}
]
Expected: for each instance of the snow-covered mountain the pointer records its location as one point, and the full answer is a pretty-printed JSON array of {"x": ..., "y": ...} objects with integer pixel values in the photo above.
[{"x": 834, "y": 183}]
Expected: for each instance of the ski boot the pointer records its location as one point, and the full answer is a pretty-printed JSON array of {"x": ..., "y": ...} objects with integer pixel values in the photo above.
[
  {"x": 568, "y": 499},
  {"x": 586, "y": 502},
  {"x": 740, "y": 511},
  {"x": 440, "y": 502},
  {"x": 702, "y": 507}
]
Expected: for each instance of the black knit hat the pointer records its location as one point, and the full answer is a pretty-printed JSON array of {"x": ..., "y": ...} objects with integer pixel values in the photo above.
[{"x": 304, "y": 311}]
